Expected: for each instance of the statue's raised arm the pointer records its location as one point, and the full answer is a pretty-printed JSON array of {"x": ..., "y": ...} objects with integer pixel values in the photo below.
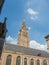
[{"x": 5, "y": 19}]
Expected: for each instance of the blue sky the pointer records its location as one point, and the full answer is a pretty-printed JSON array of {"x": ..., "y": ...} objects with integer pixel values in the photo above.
[{"x": 34, "y": 12}]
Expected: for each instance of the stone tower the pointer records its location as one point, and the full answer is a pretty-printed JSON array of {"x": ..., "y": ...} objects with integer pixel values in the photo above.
[
  {"x": 47, "y": 40},
  {"x": 23, "y": 38}
]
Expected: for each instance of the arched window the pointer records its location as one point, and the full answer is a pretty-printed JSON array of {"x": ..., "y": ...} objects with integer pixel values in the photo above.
[
  {"x": 38, "y": 62},
  {"x": 8, "y": 60},
  {"x": 25, "y": 61},
  {"x": 32, "y": 62},
  {"x": 44, "y": 63},
  {"x": 18, "y": 60}
]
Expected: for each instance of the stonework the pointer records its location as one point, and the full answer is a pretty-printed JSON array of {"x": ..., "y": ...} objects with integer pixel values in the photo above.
[
  {"x": 23, "y": 41},
  {"x": 15, "y": 55},
  {"x": 23, "y": 38}
]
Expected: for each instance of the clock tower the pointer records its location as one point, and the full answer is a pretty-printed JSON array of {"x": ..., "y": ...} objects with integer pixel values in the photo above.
[{"x": 23, "y": 38}]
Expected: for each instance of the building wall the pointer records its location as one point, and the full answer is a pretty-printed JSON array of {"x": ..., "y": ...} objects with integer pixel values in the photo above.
[{"x": 16, "y": 54}]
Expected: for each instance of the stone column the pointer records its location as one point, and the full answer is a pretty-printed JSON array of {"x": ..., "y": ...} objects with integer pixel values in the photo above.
[
  {"x": 47, "y": 62},
  {"x": 21, "y": 60},
  {"x": 41, "y": 62},
  {"x": 14, "y": 57},
  {"x": 28, "y": 61},
  {"x": 35, "y": 61},
  {"x": 3, "y": 59}
]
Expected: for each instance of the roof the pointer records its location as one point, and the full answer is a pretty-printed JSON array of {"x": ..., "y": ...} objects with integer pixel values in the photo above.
[
  {"x": 27, "y": 51},
  {"x": 47, "y": 36}
]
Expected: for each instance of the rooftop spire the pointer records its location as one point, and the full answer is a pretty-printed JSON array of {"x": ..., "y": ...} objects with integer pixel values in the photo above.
[
  {"x": 23, "y": 25},
  {"x": 23, "y": 38}
]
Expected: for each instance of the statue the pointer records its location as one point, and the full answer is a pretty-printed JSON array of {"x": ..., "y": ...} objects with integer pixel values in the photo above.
[{"x": 3, "y": 31}]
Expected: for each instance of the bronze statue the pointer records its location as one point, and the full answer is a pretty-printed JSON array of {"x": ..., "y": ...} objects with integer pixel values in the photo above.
[{"x": 3, "y": 31}]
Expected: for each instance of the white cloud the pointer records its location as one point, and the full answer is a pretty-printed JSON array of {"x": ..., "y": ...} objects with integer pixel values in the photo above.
[
  {"x": 33, "y": 44},
  {"x": 33, "y": 14},
  {"x": 36, "y": 45},
  {"x": 29, "y": 28},
  {"x": 11, "y": 40},
  {"x": 34, "y": 17}
]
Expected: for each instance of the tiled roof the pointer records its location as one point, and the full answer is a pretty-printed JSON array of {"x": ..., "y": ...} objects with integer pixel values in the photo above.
[{"x": 27, "y": 51}]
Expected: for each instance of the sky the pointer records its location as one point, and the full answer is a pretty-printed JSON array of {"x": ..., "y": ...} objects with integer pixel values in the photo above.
[{"x": 36, "y": 15}]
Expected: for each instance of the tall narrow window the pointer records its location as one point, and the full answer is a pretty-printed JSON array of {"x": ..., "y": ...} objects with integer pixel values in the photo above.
[
  {"x": 18, "y": 60},
  {"x": 38, "y": 62},
  {"x": 44, "y": 63},
  {"x": 32, "y": 62},
  {"x": 8, "y": 60},
  {"x": 25, "y": 61}
]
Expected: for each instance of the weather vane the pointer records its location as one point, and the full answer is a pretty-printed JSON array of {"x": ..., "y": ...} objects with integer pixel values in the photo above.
[{"x": 1, "y": 5}]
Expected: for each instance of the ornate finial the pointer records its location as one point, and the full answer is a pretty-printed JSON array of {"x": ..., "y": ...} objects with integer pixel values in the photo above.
[{"x": 23, "y": 24}]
